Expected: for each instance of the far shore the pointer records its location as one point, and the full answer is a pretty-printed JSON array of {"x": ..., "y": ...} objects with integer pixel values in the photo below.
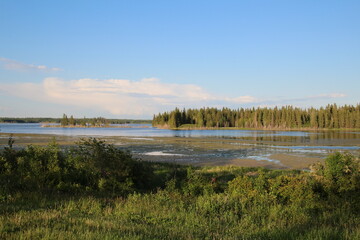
[
  {"x": 104, "y": 126},
  {"x": 187, "y": 127}
]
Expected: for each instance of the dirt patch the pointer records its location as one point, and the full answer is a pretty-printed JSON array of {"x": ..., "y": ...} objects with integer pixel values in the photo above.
[
  {"x": 295, "y": 162},
  {"x": 208, "y": 151},
  {"x": 241, "y": 163}
]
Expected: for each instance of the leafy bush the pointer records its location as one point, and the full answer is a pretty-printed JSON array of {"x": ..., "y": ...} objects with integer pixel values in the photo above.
[
  {"x": 92, "y": 165},
  {"x": 342, "y": 172},
  {"x": 241, "y": 203}
]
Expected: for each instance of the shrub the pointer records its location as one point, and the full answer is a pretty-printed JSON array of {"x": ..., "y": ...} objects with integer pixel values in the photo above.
[
  {"x": 342, "y": 172},
  {"x": 91, "y": 165}
]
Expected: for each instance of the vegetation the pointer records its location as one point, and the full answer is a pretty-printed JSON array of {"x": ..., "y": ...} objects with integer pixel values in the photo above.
[
  {"x": 128, "y": 121},
  {"x": 330, "y": 117},
  {"x": 77, "y": 120},
  {"x": 91, "y": 166},
  {"x": 27, "y": 120},
  {"x": 95, "y": 191},
  {"x": 85, "y": 122}
]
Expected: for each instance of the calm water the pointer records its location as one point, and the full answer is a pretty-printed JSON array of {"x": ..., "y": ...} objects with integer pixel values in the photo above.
[
  {"x": 136, "y": 130},
  {"x": 332, "y": 138},
  {"x": 260, "y": 144}
]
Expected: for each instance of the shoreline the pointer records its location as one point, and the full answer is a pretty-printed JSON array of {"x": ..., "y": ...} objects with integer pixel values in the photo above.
[
  {"x": 79, "y": 126},
  {"x": 262, "y": 129},
  {"x": 201, "y": 151}
]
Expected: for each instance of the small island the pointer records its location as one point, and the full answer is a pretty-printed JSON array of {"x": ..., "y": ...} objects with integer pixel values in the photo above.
[
  {"x": 85, "y": 122},
  {"x": 98, "y": 122}
]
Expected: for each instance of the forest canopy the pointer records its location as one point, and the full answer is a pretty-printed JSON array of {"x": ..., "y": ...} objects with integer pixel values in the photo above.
[{"x": 330, "y": 117}]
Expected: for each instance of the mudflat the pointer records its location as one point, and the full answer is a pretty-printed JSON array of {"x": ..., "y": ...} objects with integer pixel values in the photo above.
[{"x": 284, "y": 153}]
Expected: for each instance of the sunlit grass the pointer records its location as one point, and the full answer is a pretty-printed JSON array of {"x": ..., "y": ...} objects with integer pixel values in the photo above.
[
  {"x": 168, "y": 201},
  {"x": 168, "y": 215}
]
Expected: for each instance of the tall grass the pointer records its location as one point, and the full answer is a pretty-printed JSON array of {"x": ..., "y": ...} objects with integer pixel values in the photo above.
[
  {"x": 194, "y": 203},
  {"x": 166, "y": 215}
]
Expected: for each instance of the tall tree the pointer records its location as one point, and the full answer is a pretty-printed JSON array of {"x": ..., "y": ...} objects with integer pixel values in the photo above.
[
  {"x": 64, "y": 121},
  {"x": 72, "y": 121}
]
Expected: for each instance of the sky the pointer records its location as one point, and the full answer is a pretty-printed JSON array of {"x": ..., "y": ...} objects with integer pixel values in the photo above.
[{"x": 133, "y": 59}]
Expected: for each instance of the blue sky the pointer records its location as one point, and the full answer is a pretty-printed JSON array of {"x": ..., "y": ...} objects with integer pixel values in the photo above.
[{"x": 131, "y": 59}]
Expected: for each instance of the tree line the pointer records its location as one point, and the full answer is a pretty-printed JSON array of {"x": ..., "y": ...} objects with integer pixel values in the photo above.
[
  {"x": 28, "y": 120},
  {"x": 86, "y": 122},
  {"x": 330, "y": 117},
  {"x": 58, "y": 120},
  {"x": 96, "y": 122}
]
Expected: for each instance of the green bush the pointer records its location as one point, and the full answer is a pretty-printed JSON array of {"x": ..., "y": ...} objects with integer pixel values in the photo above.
[
  {"x": 241, "y": 203},
  {"x": 342, "y": 172},
  {"x": 92, "y": 165}
]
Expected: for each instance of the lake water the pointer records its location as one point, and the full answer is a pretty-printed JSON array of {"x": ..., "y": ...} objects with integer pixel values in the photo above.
[
  {"x": 140, "y": 130},
  {"x": 210, "y": 145},
  {"x": 145, "y": 130}
]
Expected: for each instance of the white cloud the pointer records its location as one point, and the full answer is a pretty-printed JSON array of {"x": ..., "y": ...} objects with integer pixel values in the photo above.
[
  {"x": 121, "y": 97},
  {"x": 306, "y": 101},
  {"x": 243, "y": 99},
  {"x": 18, "y": 66},
  {"x": 118, "y": 96},
  {"x": 331, "y": 95},
  {"x": 316, "y": 97}
]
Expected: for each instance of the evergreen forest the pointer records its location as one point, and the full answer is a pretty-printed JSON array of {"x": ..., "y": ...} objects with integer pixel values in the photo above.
[
  {"x": 329, "y": 117},
  {"x": 85, "y": 122}
]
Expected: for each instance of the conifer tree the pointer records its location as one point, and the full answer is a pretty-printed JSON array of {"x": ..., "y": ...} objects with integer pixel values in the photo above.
[
  {"x": 72, "y": 121},
  {"x": 64, "y": 121},
  {"x": 331, "y": 116}
]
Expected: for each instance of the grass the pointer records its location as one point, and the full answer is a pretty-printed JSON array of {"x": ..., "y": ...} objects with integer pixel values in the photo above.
[
  {"x": 96, "y": 191},
  {"x": 166, "y": 215},
  {"x": 172, "y": 212}
]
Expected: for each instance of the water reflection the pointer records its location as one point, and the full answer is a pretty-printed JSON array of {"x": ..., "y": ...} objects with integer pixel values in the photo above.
[{"x": 136, "y": 130}]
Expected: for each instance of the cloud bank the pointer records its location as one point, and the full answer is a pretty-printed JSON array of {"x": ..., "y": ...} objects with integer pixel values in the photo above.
[
  {"x": 122, "y": 97},
  {"x": 10, "y": 64}
]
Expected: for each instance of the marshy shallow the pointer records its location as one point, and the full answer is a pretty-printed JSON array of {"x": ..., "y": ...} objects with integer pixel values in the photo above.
[{"x": 271, "y": 149}]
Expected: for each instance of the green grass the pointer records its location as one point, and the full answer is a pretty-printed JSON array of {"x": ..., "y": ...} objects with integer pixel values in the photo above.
[
  {"x": 167, "y": 215},
  {"x": 213, "y": 211},
  {"x": 51, "y": 201}
]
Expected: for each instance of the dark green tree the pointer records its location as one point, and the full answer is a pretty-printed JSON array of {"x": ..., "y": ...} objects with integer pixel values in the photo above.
[{"x": 64, "y": 121}]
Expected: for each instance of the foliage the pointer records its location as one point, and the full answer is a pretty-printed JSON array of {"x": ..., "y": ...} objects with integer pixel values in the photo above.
[
  {"x": 330, "y": 117},
  {"x": 96, "y": 191},
  {"x": 77, "y": 120},
  {"x": 92, "y": 165},
  {"x": 27, "y": 120},
  {"x": 94, "y": 122},
  {"x": 110, "y": 167},
  {"x": 342, "y": 172}
]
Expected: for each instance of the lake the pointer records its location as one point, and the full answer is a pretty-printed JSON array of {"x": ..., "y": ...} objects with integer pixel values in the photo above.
[
  {"x": 214, "y": 147},
  {"x": 145, "y": 130}
]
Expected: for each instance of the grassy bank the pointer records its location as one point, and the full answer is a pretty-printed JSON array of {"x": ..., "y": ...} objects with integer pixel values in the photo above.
[
  {"x": 104, "y": 126},
  {"x": 123, "y": 198}
]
